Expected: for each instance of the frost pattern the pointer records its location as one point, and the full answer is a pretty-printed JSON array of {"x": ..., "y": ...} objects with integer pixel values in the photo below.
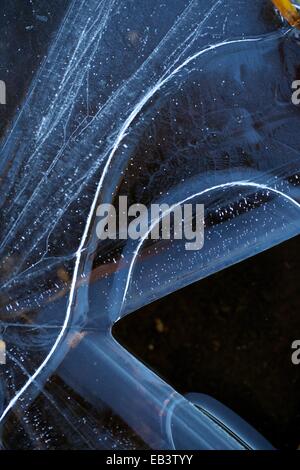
[{"x": 165, "y": 101}]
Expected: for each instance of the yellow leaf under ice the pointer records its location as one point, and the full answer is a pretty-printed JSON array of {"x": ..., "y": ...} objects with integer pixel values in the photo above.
[{"x": 289, "y": 11}]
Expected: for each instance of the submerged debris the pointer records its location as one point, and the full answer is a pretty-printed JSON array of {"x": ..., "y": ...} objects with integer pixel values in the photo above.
[{"x": 289, "y": 11}]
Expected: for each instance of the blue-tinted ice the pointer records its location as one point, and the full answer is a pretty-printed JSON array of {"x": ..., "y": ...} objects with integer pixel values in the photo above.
[{"x": 170, "y": 101}]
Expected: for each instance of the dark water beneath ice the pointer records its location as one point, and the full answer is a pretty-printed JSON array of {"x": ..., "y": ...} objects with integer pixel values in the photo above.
[{"x": 161, "y": 101}]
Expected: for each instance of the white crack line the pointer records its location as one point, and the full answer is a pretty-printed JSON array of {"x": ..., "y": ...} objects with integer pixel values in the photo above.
[{"x": 119, "y": 139}]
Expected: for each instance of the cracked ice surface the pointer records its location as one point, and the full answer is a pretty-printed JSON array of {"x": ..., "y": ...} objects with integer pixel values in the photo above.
[{"x": 176, "y": 100}]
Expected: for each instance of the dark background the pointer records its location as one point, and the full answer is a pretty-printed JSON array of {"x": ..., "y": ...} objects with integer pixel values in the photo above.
[
  {"x": 27, "y": 28},
  {"x": 230, "y": 336}
]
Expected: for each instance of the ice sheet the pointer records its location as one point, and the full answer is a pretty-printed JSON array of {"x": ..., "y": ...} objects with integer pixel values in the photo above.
[{"x": 167, "y": 101}]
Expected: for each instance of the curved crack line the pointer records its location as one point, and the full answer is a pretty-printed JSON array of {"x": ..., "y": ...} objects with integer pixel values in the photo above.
[
  {"x": 122, "y": 134},
  {"x": 245, "y": 183}
]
